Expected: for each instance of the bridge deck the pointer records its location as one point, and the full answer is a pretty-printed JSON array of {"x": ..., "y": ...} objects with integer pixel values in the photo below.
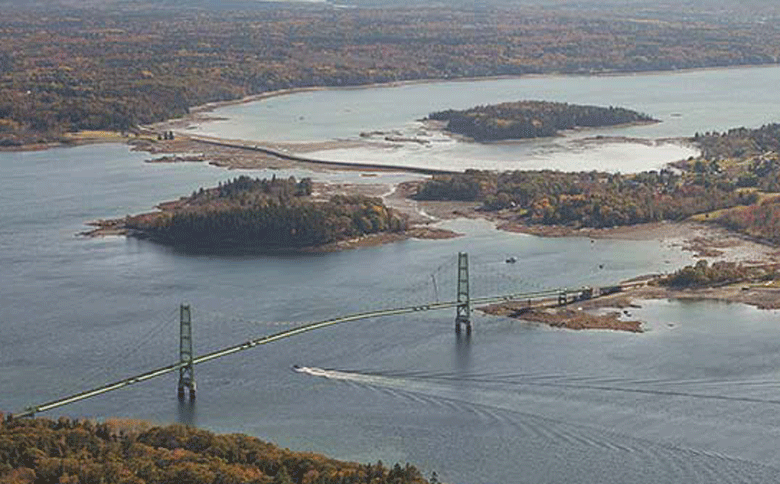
[{"x": 32, "y": 410}]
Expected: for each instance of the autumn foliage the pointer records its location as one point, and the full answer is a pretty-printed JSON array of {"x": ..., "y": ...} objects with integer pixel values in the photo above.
[
  {"x": 275, "y": 213},
  {"x": 65, "y": 69},
  {"x": 68, "y": 451},
  {"x": 531, "y": 119},
  {"x": 761, "y": 220},
  {"x": 588, "y": 199}
]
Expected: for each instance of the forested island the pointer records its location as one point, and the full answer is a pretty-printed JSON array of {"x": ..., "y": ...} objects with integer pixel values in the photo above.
[
  {"x": 66, "y": 66},
  {"x": 262, "y": 214},
  {"x": 531, "y": 119},
  {"x": 131, "y": 452}
]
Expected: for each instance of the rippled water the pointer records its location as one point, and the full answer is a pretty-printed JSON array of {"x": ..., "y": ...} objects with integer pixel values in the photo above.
[{"x": 694, "y": 399}]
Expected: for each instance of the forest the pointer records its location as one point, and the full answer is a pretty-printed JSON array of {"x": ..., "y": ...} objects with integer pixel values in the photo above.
[
  {"x": 704, "y": 274},
  {"x": 761, "y": 220},
  {"x": 531, "y": 119},
  {"x": 65, "y": 69},
  {"x": 588, "y": 199},
  {"x": 260, "y": 214},
  {"x": 739, "y": 142},
  {"x": 121, "y": 452}
]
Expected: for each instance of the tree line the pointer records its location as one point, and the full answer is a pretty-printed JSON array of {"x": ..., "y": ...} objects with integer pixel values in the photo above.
[
  {"x": 71, "y": 452},
  {"x": 74, "y": 69},
  {"x": 265, "y": 214},
  {"x": 704, "y": 274},
  {"x": 588, "y": 199},
  {"x": 761, "y": 220},
  {"x": 739, "y": 142}
]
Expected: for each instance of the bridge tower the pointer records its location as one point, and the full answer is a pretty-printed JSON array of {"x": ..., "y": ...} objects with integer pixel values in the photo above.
[
  {"x": 463, "y": 309},
  {"x": 186, "y": 371}
]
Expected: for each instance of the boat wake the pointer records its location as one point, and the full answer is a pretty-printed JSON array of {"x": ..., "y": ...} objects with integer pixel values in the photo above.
[
  {"x": 542, "y": 410},
  {"x": 361, "y": 378}
]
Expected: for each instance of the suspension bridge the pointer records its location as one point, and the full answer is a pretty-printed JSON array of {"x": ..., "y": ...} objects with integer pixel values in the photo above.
[{"x": 463, "y": 305}]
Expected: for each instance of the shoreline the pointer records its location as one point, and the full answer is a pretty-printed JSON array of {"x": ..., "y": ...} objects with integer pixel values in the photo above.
[
  {"x": 196, "y": 113},
  {"x": 248, "y": 154},
  {"x": 276, "y": 153},
  {"x": 611, "y": 311},
  {"x": 209, "y": 107},
  {"x": 701, "y": 238},
  {"x": 419, "y": 227},
  {"x": 604, "y": 312},
  {"x": 116, "y": 228}
]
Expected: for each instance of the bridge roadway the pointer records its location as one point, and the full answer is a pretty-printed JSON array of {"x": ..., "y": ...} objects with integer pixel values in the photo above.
[
  {"x": 32, "y": 410},
  {"x": 284, "y": 155}
]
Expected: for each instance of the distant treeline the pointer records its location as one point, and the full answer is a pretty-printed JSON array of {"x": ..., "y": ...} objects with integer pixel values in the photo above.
[
  {"x": 588, "y": 199},
  {"x": 531, "y": 119},
  {"x": 115, "y": 68},
  {"x": 121, "y": 452},
  {"x": 265, "y": 214}
]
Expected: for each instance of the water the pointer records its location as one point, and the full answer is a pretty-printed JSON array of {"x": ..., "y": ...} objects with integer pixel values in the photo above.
[
  {"x": 694, "y": 399},
  {"x": 685, "y": 102}
]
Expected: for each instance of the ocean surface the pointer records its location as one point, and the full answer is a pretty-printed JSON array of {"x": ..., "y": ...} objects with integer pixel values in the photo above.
[{"x": 696, "y": 398}]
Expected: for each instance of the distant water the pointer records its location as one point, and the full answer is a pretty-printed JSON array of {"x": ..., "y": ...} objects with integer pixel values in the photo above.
[
  {"x": 695, "y": 399},
  {"x": 685, "y": 102}
]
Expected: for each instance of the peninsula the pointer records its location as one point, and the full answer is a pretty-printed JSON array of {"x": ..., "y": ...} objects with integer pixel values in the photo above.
[
  {"x": 606, "y": 308},
  {"x": 532, "y": 119},
  {"x": 734, "y": 184}
]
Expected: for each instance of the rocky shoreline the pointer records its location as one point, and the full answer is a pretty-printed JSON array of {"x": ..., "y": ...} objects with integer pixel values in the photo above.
[
  {"x": 612, "y": 311},
  {"x": 118, "y": 228},
  {"x": 565, "y": 317}
]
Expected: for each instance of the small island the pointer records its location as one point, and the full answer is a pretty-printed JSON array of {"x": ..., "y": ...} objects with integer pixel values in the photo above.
[
  {"x": 532, "y": 119},
  {"x": 259, "y": 215}
]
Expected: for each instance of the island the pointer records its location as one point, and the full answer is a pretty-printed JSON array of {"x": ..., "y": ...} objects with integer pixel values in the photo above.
[
  {"x": 531, "y": 119},
  {"x": 277, "y": 214},
  {"x": 136, "y": 452}
]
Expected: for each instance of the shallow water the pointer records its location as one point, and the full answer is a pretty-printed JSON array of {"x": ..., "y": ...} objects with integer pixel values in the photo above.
[{"x": 684, "y": 102}]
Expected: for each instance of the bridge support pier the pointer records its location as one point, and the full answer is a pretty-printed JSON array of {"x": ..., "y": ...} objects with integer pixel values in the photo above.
[
  {"x": 186, "y": 371},
  {"x": 463, "y": 309}
]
